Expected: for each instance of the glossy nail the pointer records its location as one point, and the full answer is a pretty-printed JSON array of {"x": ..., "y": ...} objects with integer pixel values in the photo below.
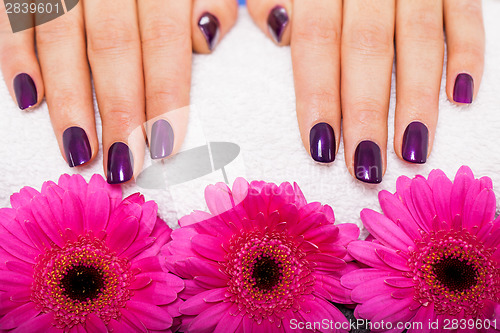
[
  {"x": 209, "y": 26},
  {"x": 368, "y": 162},
  {"x": 76, "y": 146},
  {"x": 162, "y": 139},
  {"x": 120, "y": 163},
  {"x": 277, "y": 22},
  {"x": 464, "y": 88},
  {"x": 322, "y": 143},
  {"x": 415, "y": 143},
  {"x": 25, "y": 90}
]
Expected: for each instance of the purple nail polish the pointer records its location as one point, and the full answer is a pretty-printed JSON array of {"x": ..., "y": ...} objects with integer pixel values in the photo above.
[
  {"x": 76, "y": 146},
  {"x": 209, "y": 26},
  {"x": 415, "y": 143},
  {"x": 322, "y": 143},
  {"x": 277, "y": 22},
  {"x": 162, "y": 139},
  {"x": 464, "y": 88},
  {"x": 25, "y": 91},
  {"x": 120, "y": 163},
  {"x": 368, "y": 162}
]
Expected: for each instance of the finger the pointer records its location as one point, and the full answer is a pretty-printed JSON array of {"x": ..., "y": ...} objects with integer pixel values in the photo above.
[
  {"x": 273, "y": 17},
  {"x": 367, "y": 54},
  {"x": 211, "y": 21},
  {"x": 114, "y": 51},
  {"x": 465, "y": 41},
  {"x": 315, "y": 47},
  {"x": 19, "y": 64},
  {"x": 420, "y": 52},
  {"x": 166, "y": 45},
  {"x": 63, "y": 58}
]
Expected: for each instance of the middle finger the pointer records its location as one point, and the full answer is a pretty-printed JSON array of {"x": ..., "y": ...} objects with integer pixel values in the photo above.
[
  {"x": 114, "y": 51},
  {"x": 367, "y": 51}
]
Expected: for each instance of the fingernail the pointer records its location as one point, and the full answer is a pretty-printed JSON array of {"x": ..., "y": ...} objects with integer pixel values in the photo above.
[
  {"x": 162, "y": 139},
  {"x": 120, "y": 163},
  {"x": 322, "y": 143},
  {"x": 415, "y": 143},
  {"x": 277, "y": 22},
  {"x": 25, "y": 91},
  {"x": 368, "y": 162},
  {"x": 209, "y": 26},
  {"x": 464, "y": 88},
  {"x": 76, "y": 146}
]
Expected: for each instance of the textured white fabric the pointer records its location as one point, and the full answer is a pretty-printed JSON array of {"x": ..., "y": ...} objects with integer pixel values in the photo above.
[{"x": 243, "y": 93}]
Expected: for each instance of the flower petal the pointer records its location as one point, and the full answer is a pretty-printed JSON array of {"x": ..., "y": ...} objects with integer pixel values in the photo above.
[
  {"x": 18, "y": 316},
  {"x": 94, "y": 324},
  {"x": 481, "y": 211},
  {"x": 152, "y": 316},
  {"x": 97, "y": 210},
  {"x": 364, "y": 252},
  {"x": 360, "y": 276},
  {"x": 394, "y": 209},
  {"x": 208, "y": 319},
  {"x": 393, "y": 259},
  {"x": 37, "y": 324},
  {"x": 385, "y": 230},
  {"x": 209, "y": 247},
  {"x": 121, "y": 237},
  {"x": 228, "y": 323}
]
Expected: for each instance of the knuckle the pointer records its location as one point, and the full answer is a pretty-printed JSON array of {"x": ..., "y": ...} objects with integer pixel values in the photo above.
[
  {"x": 117, "y": 118},
  {"x": 368, "y": 112},
  {"x": 423, "y": 26},
  {"x": 473, "y": 8},
  {"x": 164, "y": 95},
  {"x": 111, "y": 36},
  {"x": 321, "y": 99},
  {"x": 161, "y": 30},
  {"x": 318, "y": 30},
  {"x": 58, "y": 31},
  {"x": 370, "y": 38}
]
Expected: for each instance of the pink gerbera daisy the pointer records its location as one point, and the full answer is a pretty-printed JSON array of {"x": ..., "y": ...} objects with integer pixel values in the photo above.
[
  {"x": 264, "y": 260},
  {"x": 76, "y": 258},
  {"x": 434, "y": 261}
]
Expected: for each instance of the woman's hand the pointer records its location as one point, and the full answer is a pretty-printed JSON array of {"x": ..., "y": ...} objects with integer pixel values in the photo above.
[
  {"x": 140, "y": 56},
  {"x": 342, "y": 54}
]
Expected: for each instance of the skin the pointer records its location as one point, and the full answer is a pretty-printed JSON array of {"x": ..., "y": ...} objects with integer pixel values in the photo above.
[
  {"x": 139, "y": 56},
  {"x": 343, "y": 52}
]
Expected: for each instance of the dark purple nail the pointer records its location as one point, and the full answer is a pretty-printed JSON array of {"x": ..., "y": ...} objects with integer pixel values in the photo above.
[
  {"x": 25, "y": 91},
  {"x": 464, "y": 88},
  {"x": 76, "y": 146},
  {"x": 162, "y": 139},
  {"x": 322, "y": 143},
  {"x": 277, "y": 22},
  {"x": 120, "y": 163},
  {"x": 209, "y": 26},
  {"x": 368, "y": 162},
  {"x": 415, "y": 143}
]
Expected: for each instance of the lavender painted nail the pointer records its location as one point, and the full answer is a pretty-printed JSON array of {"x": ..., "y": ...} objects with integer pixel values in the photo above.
[
  {"x": 209, "y": 26},
  {"x": 162, "y": 139},
  {"x": 415, "y": 143},
  {"x": 76, "y": 146},
  {"x": 277, "y": 22},
  {"x": 120, "y": 163},
  {"x": 322, "y": 143},
  {"x": 368, "y": 162},
  {"x": 25, "y": 90},
  {"x": 464, "y": 88}
]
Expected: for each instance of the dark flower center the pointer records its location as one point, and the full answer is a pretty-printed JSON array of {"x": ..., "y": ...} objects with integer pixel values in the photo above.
[
  {"x": 454, "y": 274},
  {"x": 82, "y": 282},
  {"x": 266, "y": 273}
]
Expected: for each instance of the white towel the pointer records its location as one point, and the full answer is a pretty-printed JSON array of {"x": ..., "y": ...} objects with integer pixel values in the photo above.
[{"x": 243, "y": 93}]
